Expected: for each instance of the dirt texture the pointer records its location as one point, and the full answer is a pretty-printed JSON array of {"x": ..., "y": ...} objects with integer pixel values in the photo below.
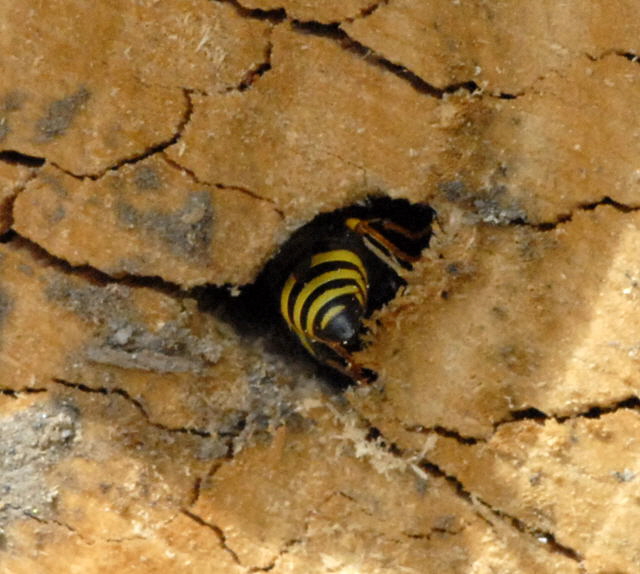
[{"x": 154, "y": 155}]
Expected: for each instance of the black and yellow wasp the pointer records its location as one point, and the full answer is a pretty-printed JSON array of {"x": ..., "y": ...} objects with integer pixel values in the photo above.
[{"x": 339, "y": 268}]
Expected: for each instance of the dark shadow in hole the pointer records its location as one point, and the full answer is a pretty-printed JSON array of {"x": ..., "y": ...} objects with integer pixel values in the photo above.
[
  {"x": 528, "y": 414},
  {"x": 16, "y": 158},
  {"x": 254, "y": 316},
  {"x": 8, "y": 236}
]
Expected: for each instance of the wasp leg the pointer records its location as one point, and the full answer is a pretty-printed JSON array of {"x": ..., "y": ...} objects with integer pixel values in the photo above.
[
  {"x": 363, "y": 228},
  {"x": 361, "y": 375},
  {"x": 404, "y": 231}
]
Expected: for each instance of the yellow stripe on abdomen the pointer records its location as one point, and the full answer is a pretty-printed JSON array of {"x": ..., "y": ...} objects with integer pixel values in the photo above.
[
  {"x": 330, "y": 314},
  {"x": 340, "y": 256},
  {"x": 357, "y": 286},
  {"x": 284, "y": 299},
  {"x": 324, "y": 299}
]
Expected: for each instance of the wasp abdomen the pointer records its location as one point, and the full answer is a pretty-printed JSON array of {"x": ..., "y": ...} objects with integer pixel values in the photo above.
[
  {"x": 342, "y": 266},
  {"x": 324, "y": 299}
]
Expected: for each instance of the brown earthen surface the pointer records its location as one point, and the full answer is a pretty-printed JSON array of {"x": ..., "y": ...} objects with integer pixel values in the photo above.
[{"x": 154, "y": 155}]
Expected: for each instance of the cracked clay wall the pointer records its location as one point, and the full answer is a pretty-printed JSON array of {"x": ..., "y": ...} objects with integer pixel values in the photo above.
[{"x": 154, "y": 155}]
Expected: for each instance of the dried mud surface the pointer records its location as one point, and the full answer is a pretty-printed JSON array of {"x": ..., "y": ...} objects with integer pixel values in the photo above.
[{"x": 154, "y": 155}]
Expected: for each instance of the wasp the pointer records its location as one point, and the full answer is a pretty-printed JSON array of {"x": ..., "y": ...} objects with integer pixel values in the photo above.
[{"x": 335, "y": 271}]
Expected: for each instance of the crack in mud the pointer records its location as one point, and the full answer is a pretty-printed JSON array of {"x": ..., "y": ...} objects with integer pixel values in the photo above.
[
  {"x": 275, "y": 15},
  {"x": 444, "y": 432},
  {"x": 218, "y": 531},
  {"x": 627, "y": 55},
  {"x": 228, "y": 437},
  {"x": 83, "y": 538},
  {"x": 335, "y": 32},
  {"x": 151, "y": 150},
  {"x": 14, "y": 157},
  {"x": 215, "y": 467},
  {"x": 15, "y": 393},
  {"x": 95, "y": 275},
  {"x": 546, "y": 539},
  {"x": 137, "y": 404},
  {"x": 151, "y": 281},
  {"x": 49, "y": 521},
  {"x": 428, "y": 468},
  {"x": 221, "y": 186},
  {"x": 254, "y": 74},
  {"x": 631, "y": 402},
  {"x": 589, "y": 206},
  {"x": 631, "y": 56},
  {"x": 493, "y": 206},
  {"x": 429, "y": 535},
  {"x": 283, "y": 551},
  {"x": 196, "y": 489},
  {"x": 278, "y": 15},
  {"x": 365, "y": 12}
]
